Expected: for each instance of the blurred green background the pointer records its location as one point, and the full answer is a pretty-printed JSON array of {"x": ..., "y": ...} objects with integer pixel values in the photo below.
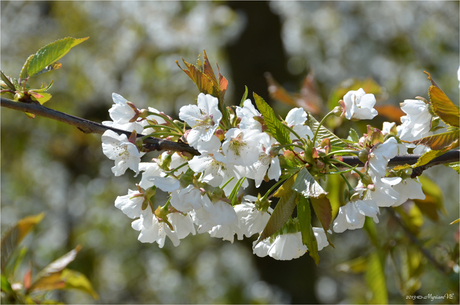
[{"x": 49, "y": 167}]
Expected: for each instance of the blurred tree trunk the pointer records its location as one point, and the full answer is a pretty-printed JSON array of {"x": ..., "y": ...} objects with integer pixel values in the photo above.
[{"x": 257, "y": 50}]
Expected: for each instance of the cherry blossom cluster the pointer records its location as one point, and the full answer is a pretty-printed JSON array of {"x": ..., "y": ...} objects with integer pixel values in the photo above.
[{"x": 206, "y": 191}]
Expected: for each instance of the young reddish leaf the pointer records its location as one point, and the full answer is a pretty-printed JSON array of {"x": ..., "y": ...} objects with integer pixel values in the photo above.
[
  {"x": 391, "y": 112},
  {"x": 308, "y": 236},
  {"x": 308, "y": 98},
  {"x": 323, "y": 210},
  {"x": 447, "y": 111},
  {"x": 56, "y": 276},
  {"x": 51, "y": 53},
  {"x": 202, "y": 81},
  {"x": 54, "y": 268},
  {"x": 223, "y": 84},
  {"x": 280, "y": 215},
  {"x": 439, "y": 141},
  {"x": 432, "y": 154},
  {"x": 48, "y": 282},
  {"x": 208, "y": 71},
  {"x": 28, "y": 278},
  {"x": 13, "y": 237},
  {"x": 205, "y": 80},
  {"x": 277, "y": 92}
]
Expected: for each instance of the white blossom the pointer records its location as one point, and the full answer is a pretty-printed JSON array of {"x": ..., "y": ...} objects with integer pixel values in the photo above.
[
  {"x": 251, "y": 220},
  {"x": 261, "y": 249},
  {"x": 295, "y": 119},
  {"x": 408, "y": 189},
  {"x": 321, "y": 238},
  {"x": 417, "y": 123},
  {"x": 121, "y": 114},
  {"x": 131, "y": 204},
  {"x": 384, "y": 194},
  {"x": 352, "y": 215},
  {"x": 154, "y": 175},
  {"x": 359, "y": 105},
  {"x": 287, "y": 246},
  {"x": 157, "y": 232},
  {"x": 182, "y": 224},
  {"x": 241, "y": 146},
  {"x": 204, "y": 118},
  {"x": 125, "y": 154},
  {"x": 247, "y": 114},
  {"x": 213, "y": 214},
  {"x": 380, "y": 155},
  {"x": 186, "y": 199}
]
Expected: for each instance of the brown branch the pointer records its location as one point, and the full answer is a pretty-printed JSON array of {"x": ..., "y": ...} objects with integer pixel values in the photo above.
[
  {"x": 88, "y": 126},
  {"x": 444, "y": 270},
  {"x": 151, "y": 143}
]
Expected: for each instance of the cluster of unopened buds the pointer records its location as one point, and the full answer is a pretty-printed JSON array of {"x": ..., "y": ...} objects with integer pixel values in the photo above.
[{"x": 206, "y": 191}]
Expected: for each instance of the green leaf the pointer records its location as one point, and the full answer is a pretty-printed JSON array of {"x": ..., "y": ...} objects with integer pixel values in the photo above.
[
  {"x": 6, "y": 286},
  {"x": 308, "y": 236},
  {"x": 245, "y": 96},
  {"x": 56, "y": 276},
  {"x": 7, "y": 81},
  {"x": 439, "y": 141},
  {"x": 432, "y": 154},
  {"x": 353, "y": 135},
  {"x": 323, "y": 133},
  {"x": 52, "y": 53},
  {"x": 286, "y": 187},
  {"x": 44, "y": 276},
  {"x": 52, "y": 67},
  {"x": 274, "y": 125},
  {"x": 442, "y": 106},
  {"x": 335, "y": 185},
  {"x": 23, "y": 74},
  {"x": 306, "y": 185},
  {"x": 454, "y": 165},
  {"x": 280, "y": 215},
  {"x": 434, "y": 200},
  {"x": 14, "y": 236},
  {"x": 44, "y": 87},
  {"x": 40, "y": 97},
  {"x": 412, "y": 269},
  {"x": 356, "y": 265},
  {"x": 411, "y": 216},
  {"x": 375, "y": 280},
  {"x": 77, "y": 280}
]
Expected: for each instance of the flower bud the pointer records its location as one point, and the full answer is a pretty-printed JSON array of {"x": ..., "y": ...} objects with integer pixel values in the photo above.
[{"x": 363, "y": 155}]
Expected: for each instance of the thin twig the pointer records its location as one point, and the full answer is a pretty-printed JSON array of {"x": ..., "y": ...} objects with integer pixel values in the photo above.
[
  {"x": 88, "y": 126},
  {"x": 415, "y": 241}
]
